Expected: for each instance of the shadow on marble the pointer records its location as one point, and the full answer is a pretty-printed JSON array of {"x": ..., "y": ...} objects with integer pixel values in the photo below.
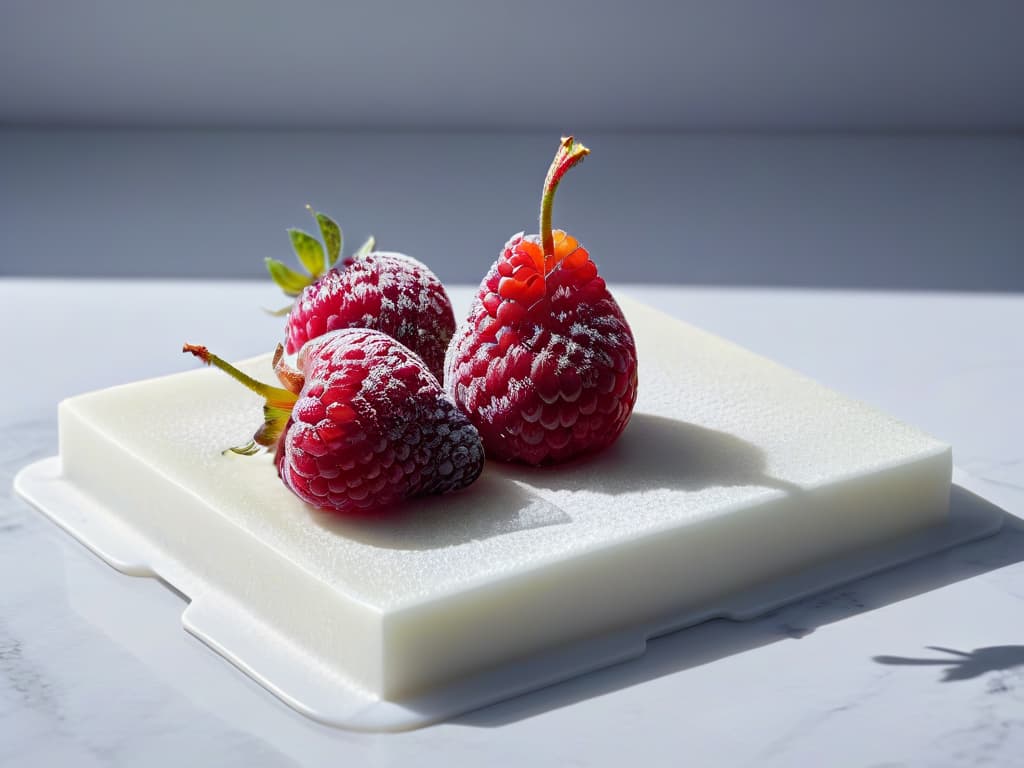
[
  {"x": 720, "y": 638},
  {"x": 964, "y": 665}
]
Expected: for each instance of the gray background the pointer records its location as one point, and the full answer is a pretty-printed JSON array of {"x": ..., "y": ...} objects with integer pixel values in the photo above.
[{"x": 865, "y": 144}]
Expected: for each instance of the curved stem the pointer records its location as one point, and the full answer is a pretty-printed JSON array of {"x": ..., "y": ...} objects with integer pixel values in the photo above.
[
  {"x": 569, "y": 154},
  {"x": 275, "y": 396}
]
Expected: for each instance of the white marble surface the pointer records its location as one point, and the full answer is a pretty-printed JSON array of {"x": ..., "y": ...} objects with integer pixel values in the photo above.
[{"x": 96, "y": 671}]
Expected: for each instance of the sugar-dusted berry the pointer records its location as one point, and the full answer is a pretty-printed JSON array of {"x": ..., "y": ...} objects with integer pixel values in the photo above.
[{"x": 545, "y": 365}]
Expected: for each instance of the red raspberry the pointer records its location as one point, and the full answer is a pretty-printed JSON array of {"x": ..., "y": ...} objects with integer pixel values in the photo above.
[
  {"x": 389, "y": 292},
  {"x": 361, "y": 425},
  {"x": 545, "y": 365}
]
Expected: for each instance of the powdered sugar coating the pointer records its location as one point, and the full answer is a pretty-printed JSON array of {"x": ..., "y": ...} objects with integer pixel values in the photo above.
[
  {"x": 389, "y": 292},
  {"x": 373, "y": 426},
  {"x": 546, "y": 369}
]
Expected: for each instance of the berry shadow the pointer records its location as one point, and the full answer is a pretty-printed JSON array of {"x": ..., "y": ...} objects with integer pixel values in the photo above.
[
  {"x": 704, "y": 644},
  {"x": 964, "y": 665},
  {"x": 492, "y": 506},
  {"x": 653, "y": 452},
  {"x": 658, "y": 452}
]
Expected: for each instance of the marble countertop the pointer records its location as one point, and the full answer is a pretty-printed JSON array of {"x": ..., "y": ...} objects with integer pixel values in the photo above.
[{"x": 919, "y": 666}]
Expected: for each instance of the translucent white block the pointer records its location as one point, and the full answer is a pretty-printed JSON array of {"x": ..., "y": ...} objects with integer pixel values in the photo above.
[{"x": 733, "y": 471}]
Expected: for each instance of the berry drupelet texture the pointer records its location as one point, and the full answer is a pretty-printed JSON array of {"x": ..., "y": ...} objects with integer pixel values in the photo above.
[
  {"x": 545, "y": 365},
  {"x": 361, "y": 424},
  {"x": 388, "y": 292},
  {"x": 372, "y": 426}
]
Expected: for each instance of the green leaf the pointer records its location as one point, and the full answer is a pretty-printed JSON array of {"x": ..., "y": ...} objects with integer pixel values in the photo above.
[
  {"x": 331, "y": 233},
  {"x": 366, "y": 247},
  {"x": 287, "y": 279},
  {"x": 309, "y": 251}
]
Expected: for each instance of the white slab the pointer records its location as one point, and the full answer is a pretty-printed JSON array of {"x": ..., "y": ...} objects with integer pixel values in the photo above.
[
  {"x": 297, "y": 679},
  {"x": 734, "y": 472}
]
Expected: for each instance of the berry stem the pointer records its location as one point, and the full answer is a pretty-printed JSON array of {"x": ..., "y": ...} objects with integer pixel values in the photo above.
[
  {"x": 279, "y": 402},
  {"x": 274, "y": 395},
  {"x": 569, "y": 154}
]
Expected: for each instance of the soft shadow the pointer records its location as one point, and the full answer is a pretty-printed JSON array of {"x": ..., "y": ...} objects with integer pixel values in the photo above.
[
  {"x": 657, "y": 452},
  {"x": 653, "y": 452},
  {"x": 492, "y": 506},
  {"x": 719, "y": 638},
  {"x": 964, "y": 665}
]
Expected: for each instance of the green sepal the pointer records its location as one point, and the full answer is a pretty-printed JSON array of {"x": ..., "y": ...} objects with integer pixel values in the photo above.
[
  {"x": 331, "y": 234},
  {"x": 278, "y": 312},
  {"x": 277, "y": 410},
  {"x": 309, "y": 251},
  {"x": 367, "y": 247},
  {"x": 287, "y": 279},
  {"x": 275, "y": 420},
  {"x": 249, "y": 449}
]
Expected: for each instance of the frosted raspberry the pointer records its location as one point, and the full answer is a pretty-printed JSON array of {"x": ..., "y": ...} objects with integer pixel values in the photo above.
[
  {"x": 386, "y": 291},
  {"x": 545, "y": 365},
  {"x": 361, "y": 425}
]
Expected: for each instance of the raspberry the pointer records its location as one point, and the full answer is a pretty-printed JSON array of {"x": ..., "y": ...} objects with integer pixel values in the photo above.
[
  {"x": 389, "y": 292},
  {"x": 361, "y": 425},
  {"x": 545, "y": 366}
]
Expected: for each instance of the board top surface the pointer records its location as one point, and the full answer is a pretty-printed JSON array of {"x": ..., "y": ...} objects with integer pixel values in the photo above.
[{"x": 716, "y": 429}]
